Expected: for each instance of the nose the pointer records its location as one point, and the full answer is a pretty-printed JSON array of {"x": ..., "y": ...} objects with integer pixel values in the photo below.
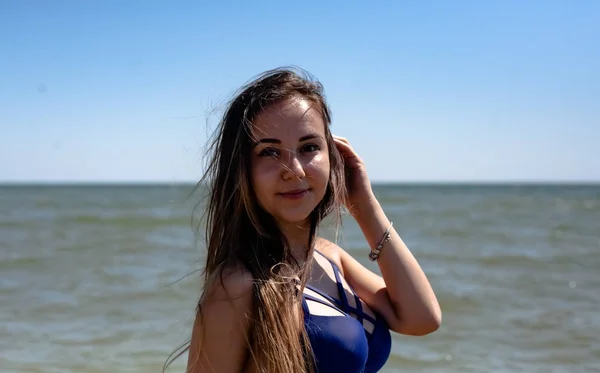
[{"x": 292, "y": 167}]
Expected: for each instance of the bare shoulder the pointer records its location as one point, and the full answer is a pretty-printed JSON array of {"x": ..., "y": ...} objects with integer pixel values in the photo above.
[
  {"x": 363, "y": 280},
  {"x": 230, "y": 284},
  {"x": 221, "y": 329},
  {"x": 332, "y": 251}
]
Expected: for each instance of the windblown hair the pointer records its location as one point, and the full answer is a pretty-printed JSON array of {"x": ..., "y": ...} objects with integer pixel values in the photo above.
[{"x": 240, "y": 232}]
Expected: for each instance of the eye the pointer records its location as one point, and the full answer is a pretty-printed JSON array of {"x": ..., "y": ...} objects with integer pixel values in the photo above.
[
  {"x": 269, "y": 152},
  {"x": 309, "y": 148}
]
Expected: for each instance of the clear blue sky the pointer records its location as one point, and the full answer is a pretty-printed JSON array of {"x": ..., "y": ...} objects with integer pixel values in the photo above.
[{"x": 424, "y": 90}]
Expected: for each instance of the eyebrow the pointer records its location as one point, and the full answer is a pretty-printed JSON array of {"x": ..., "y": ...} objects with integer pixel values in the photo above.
[{"x": 276, "y": 141}]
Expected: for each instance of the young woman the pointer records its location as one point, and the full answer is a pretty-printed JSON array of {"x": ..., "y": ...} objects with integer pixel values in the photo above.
[{"x": 277, "y": 298}]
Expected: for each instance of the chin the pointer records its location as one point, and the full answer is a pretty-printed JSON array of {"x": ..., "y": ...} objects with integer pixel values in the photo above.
[
  {"x": 290, "y": 219},
  {"x": 294, "y": 213}
]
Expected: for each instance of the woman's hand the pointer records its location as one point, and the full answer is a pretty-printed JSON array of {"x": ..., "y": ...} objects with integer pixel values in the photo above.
[
  {"x": 402, "y": 294},
  {"x": 360, "y": 193}
]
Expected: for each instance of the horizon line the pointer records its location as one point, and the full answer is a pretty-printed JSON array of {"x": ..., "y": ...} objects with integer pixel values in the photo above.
[{"x": 508, "y": 182}]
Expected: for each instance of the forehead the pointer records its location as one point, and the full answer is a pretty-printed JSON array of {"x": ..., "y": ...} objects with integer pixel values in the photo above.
[{"x": 289, "y": 119}]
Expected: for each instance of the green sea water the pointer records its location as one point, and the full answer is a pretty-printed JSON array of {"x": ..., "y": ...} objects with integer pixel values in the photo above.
[{"x": 101, "y": 278}]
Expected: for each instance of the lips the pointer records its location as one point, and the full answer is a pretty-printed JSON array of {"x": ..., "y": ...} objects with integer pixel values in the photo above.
[{"x": 294, "y": 194}]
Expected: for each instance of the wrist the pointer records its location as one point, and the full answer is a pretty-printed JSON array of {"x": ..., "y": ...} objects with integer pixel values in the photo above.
[
  {"x": 372, "y": 220},
  {"x": 365, "y": 206}
]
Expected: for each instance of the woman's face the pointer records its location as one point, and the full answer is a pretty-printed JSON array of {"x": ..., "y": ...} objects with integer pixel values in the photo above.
[{"x": 290, "y": 160}]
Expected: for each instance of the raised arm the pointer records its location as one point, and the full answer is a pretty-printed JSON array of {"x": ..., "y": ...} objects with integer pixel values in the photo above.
[{"x": 403, "y": 294}]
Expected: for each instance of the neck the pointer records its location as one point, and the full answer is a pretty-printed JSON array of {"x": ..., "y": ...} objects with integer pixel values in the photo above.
[{"x": 297, "y": 236}]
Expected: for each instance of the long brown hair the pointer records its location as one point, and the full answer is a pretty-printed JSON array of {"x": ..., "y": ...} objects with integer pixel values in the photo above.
[{"x": 239, "y": 231}]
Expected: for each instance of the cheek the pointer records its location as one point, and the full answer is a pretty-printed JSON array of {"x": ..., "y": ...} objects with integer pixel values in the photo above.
[
  {"x": 262, "y": 179},
  {"x": 319, "y": 168},
  {"x": 264, "y": 171}
]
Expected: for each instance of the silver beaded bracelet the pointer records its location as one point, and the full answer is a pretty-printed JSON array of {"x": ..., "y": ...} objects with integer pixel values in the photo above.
[{"x": 374, "y": 255}]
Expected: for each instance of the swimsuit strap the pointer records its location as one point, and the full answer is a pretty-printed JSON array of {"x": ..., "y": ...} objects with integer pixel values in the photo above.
[
  {"x": 321, "y": 301},
  {"x": 361, "y": 315}
]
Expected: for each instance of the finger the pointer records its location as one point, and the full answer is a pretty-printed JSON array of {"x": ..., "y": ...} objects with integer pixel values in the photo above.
[
  {"x": 345, "y": 148},
  {"x": 343, "y": 139},
  {"x": 344, "y": 143},
  {"x": 339, "y": 142}
]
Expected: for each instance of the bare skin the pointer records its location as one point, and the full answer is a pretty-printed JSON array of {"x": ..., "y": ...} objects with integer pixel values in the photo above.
[{"x": 402, "y": 294}]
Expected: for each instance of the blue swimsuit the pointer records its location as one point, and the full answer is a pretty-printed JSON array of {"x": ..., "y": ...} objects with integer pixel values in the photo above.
[{"x": 341, "y": 343}]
